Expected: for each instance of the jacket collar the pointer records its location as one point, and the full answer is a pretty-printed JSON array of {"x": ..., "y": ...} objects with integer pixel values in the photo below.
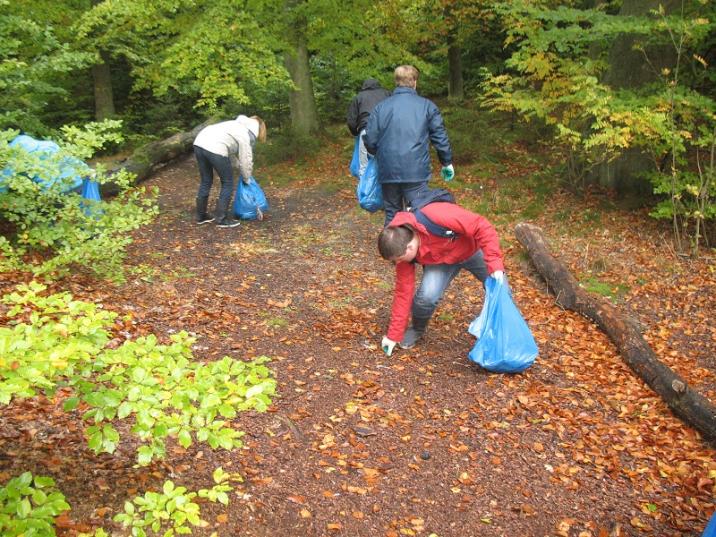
[{"x": 403, "y": 89}]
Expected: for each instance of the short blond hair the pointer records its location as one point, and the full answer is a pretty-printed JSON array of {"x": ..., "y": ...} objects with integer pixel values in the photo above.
[{"x": 406, "y": 76}]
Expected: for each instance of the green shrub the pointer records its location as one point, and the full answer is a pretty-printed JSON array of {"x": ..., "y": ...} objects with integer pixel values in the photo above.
[
  {"x": 168, "y": 512},
  {"x": 159, "y": 388},
  {"x": 28, "y": 506},
  {"x": 285, "y": 146},
  {"x": 51, "y": 232}
]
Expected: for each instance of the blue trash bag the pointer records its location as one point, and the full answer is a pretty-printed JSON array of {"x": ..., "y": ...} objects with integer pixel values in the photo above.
[
  {"x": 505, "y": 343},
  {"x": 369, "y": 191},
  {"x": 355, "y": 161},
  {"x": 90, "y": 191},
  {"x": 250, "y": 201},
  {"x": 710, "y": 530},
  {"x": 72, "y": 170}
]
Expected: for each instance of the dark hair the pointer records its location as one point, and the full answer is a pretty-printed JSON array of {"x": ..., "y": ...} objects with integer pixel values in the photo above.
[{"x": 393, "y": 241}]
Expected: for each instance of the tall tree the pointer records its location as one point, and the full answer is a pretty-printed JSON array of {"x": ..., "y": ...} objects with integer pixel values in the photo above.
[
  {"x": 103, "y": 93},
  {"x": 304, "y": 115},
  {"x": 102, "y": 77}
]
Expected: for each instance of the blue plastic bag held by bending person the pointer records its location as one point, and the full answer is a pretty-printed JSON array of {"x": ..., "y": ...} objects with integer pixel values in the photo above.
[
  {"x": 369, "y": 191},
  {"x": 250, "y": 201},
  {"x": 710, "y": 530},
  {"x": 355, "y": 161},
  {"x": 505, "y": 343}
]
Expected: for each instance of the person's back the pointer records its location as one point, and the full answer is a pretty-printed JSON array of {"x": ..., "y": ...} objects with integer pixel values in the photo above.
[
  {"x": 370, "y": 94},
  {"x": 403, "y": 127},
  {"x": 399, "y": 132}
]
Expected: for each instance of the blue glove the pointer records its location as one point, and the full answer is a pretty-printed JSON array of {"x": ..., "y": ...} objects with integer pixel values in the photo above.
[{"x": 448, "y": 172}]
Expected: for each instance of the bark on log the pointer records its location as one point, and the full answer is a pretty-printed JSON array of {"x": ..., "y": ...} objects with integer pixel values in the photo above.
[
  {"x": 149, "y": 158},
  {"x": 687, "y": 404}
]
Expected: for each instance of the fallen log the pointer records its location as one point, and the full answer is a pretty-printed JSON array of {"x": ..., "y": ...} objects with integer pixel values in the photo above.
[
  {"x": 687, "y": 404},
  {"x": 150, "y": 157}
]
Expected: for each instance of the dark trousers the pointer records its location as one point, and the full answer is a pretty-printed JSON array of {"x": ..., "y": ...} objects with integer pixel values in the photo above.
[
  {"x": 208, "y": 162},
  {"x": 397, "y": 196}
]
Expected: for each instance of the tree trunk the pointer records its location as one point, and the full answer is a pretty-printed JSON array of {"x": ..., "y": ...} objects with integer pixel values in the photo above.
[
  {"x": 687, "y": 404},
  {"x": 304, "y": 115},
  {"x": 149, "y": 158},
  {"x": 103, "y": 96},
  {"x": 629, "y": 69},
  {"x": 455, "y": 85}
]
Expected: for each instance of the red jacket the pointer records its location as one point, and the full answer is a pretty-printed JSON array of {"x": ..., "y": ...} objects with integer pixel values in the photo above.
[{"x": 474, "y": 233}]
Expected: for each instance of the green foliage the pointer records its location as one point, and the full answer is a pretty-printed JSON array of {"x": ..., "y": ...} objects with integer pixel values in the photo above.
[
  {"x": 605, "y": 289},
  {"x": 171, "y": 511},
  {"x": 557, "y": 77},
  {"x": 55, "y": 230},
  {"x": 28, "y": 506},
  {"x": 32, "y": 58},
  {"x": 157, "y": 387},
  {"x": 209, "y": 50},
  {"x": 288, "y": 146}
]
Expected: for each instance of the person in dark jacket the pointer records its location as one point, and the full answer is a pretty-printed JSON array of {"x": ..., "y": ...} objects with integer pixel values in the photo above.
[
  {"x": 399, "y": 132},
  {"x": 370, "y": 94}
]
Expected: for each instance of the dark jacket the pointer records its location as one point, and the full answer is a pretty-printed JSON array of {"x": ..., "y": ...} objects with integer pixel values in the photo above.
[
  {"x": 474, "y": 232},
  {"x": 362, "y": 105},
  {"x": 398, "y": 132}
]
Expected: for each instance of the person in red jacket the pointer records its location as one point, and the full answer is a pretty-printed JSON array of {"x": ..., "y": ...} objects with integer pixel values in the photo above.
[{"x": 405, "y": 241}]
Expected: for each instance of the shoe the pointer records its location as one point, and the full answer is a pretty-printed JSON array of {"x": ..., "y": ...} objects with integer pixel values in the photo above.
[
  {"x": 414, "y": 333},
  {"x": 227, "y": 222},
  {"x": 202, "y": 216},
  {"x": 411, "y": 338},
  {"x": 223, "y": 214}
]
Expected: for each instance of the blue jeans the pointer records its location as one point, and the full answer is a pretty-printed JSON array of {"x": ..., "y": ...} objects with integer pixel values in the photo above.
[
  {"x": 436, "y": 279},
  {"x": 395, "y": 193},
  {"x": 208, "y": 162}
]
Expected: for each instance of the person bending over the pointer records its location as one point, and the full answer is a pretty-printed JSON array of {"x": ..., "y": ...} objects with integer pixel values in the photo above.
[
  {"x": 406, "y": 242},
  {"x": 218, "y": 147}
]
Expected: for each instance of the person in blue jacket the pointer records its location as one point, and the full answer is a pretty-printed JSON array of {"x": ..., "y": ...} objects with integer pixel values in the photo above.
[{"x": 399, "y": 132}]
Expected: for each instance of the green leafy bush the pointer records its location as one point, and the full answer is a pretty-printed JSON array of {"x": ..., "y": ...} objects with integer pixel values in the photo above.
[
  {"x": 170, "y": 510},
  {"x": 159, "y": 388},
  {"x": 28, "y": 506},
  {"x": 50, "y": 231},
  {"x": 559, "y": 75}
]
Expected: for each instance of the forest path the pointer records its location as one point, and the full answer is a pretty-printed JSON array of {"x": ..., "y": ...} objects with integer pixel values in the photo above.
[
  {"x": 424, "y": 442},
  {"x": 361, "y": 444}
]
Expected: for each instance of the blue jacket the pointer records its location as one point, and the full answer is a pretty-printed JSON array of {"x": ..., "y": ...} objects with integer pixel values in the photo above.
[{"x": 398, "y": 132}]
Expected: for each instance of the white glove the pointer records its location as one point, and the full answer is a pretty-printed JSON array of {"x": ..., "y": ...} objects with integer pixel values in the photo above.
[
  {"x": 448, "y": 172},
  {"x": 387, "y": 345},
  {"x": 498, "y": 275},
  {"x": 246, "y": 180}
]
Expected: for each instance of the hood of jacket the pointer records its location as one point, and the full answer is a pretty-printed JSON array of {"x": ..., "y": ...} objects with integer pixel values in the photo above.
[
  {"x": 251, "y": 124},
  {"x": 370, "y": 83}
]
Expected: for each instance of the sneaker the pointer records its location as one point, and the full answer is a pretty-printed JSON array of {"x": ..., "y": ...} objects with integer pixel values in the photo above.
[
  {"x": 411, "y": 337},
  {"x": 227, "y": 223},
  {"x": 204, "y": 219}
]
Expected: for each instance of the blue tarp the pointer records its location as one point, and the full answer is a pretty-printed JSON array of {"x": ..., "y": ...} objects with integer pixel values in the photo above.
[{"x": 71, "y": 170}]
